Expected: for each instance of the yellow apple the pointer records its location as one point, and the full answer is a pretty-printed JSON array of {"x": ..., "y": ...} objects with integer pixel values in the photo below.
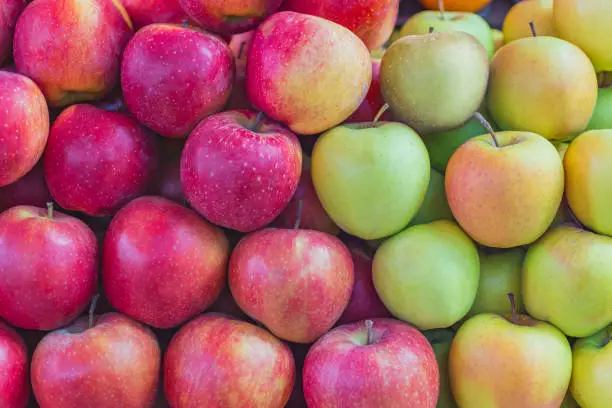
[{"x": 540, "y": 12}]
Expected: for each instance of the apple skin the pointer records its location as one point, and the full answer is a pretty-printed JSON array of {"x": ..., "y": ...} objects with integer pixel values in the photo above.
[
  {"x": 313, "y": 279},
  {"x": 240, "y": 178},
  {"x": 591, "y": 372},
  {"x": 145, "y": 12},
  {"x": 215, "y": 361},
  {"x": 72, "y": 48},
  {"x": 162, "y": 263},
  {"x": 440, "y": 340},
  {"x": 50, "y": 262},
  {"x": 31, "y": 189},
  {"x": 25, "y": 126},
  {"x": 172, "y": 77},
  {"x": 371, "y": 20},
  {"x": 373, "y": 102},
  {"x": 397, "y": 370},
  {"x": 115, "y": 363},
  {"x": 540, "y": 12},
  {"x": 602, "y": 115},
  {"x": 97, "y": 161},
  {"x": 9, "y": 13},
  {"x": 14, "y": 367},
  {"x": 307, "y": 72}
]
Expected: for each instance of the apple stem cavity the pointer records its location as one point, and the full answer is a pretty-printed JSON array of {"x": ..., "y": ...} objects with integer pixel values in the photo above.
[
  {"x": 441, "y": 7},
  {"x": 381, "y": 111},
  {"x": 298, "y": 217},
  {"x": 369, "y": 324},
  {"x": 257, "y": 123},
  {"x": 50, "y": 210},
  {"x": 487, "y": 126},
  {"x": 513, "y": 307},
  {"x": 533, "y": 29},
  {"x": 92, "y": 309}
]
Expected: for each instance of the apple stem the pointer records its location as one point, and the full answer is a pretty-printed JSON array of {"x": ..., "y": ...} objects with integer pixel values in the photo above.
[
  {"x": 369, "y": 324},
  {"x": 513, "y": 307},
  {"x": 92, "y": 309},
  {"x": 255, "y": 125},
  {"x": 431, "y": 29},
  {"x": 185, "y": 23},
  {"x": 533, "y": 29},
  {"x": 441, "y": 7},
  {"x": 487, "y": 126},
  {"x": 50, "y": 210},
  {"x": 242, "y": 44},
  {"x": 381, "y": 111},
  {"x": 298, "y": 217}
]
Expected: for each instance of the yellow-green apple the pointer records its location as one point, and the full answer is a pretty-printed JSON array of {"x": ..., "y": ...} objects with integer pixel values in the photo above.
[
  {"x": 48, "y": 266},
  {"x": 217, "y": 361},
  {"x": 517, "y": 23},
  {"x": 440, "y": 340},
  {"x": 312, "y": 281},
  {"x": 494, "y": 356},
  {"x": 101, "y": 361},
  {"x": 498, "y": 38},
  {"x": 25, "y": 126},
  {"x": 373, "y": 102},
  {"x": 566, "y": 280},
  {"x": 592, "y": 370},
  {"x": 31, "y": 189},
  {"x": 239, "y": 170},
  {"x": 307, "y": 72},
  {"x": 371, "y": 364},
  {"x": 145, "y": 12},
  {"x": 435, "y": 205},
  {"x": 370, "y": 177},
  {"x": 505, "y": 188},
  {"x": 602, "y": 115},
  {"x": 427, "y": 274},
  {"x": 173, "y": 77},
  {"x": 421, "y": 23},
  {"x": 553, "y": 96},
  {"x": 179, "y": 270},
  {"x": 587, "y": 179},
  {"x": 371, "y": 20},
  {"x": 14, "y": 366},
  {"x": 72, "y": 49},
  {"x": 97, "y": 161},
  {"x": 9, "y": 13},
  {"x": 454, "y": 61}
]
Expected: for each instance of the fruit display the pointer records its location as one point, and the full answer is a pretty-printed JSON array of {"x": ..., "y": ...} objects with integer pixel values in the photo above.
[{"x": 305, "y": 203}]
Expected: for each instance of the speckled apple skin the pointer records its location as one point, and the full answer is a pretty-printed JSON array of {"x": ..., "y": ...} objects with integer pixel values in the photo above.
[
  {"x": 14, "y": 367},
  {"x": 9, "y": 13},
  {"x": 145, "y": 12}
]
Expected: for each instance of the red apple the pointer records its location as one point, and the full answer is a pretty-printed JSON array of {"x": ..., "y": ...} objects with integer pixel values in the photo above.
[
  {"x": 373, "y": 101},
  {"x": 216, "y": 361},
  {"x": 112, "y": 362},
  {"x": 240, "y": 44},
  {"x": 9, "y": 13},
  {"x": 172, "y": 77},
  {"x": 145, "y": 12},
  {"x": 24, "y": 126},
  {"x": 240, "y": 171},
  {"x": 31, "y": 189},
  {"x": 14, "y": 384},
  {"x": 97, "y": 161},
  {"x": 371, "y": 20},
  {"x": 72, "y": 48},
  {"x": 48, "y": 264},
  {"x": 178, "y": 270},
  {"x": 372, "y": 364},
  {"x": 296, "y": 282}
]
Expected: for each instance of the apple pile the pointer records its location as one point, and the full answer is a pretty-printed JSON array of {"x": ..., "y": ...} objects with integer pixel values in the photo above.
[{"x": 305, "y": 203}]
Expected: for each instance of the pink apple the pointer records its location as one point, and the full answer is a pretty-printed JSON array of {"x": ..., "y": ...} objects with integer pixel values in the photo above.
[
  {"x": 372, "y": 364},
  {"x": 48, "y": 264},
  {"x": 145, "y": 12},
  {"x": 240, "y": 171},
  {"x": 72, "y": 48},
  {"x": 296, "y": 282},
  {"x": 112, "y": 363},
  {"x": 178, "y": 271},
  {"x": 97, "y": 161},
  {"x": 14, "y": 381},
  {"x": 24, "y": 126},
  {"x": 215, "y": 361},
  {"x": 373, "y": 101},
  {"x": 172, "y": 77},
  {"x": 9, "y": 13},
  {"x": 31, "y": 189}
]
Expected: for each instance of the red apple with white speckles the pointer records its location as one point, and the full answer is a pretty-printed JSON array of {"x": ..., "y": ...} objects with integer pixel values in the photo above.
[
  {"x": 9, "y": 13},
  {"x": 14, "y": 386},
  {"x": 371, "y": 364},
  {"x": 240, "y": 170},
  {"x": 162, "y": 264}
]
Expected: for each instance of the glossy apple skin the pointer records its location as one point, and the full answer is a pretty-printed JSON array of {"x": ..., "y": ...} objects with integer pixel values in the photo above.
[
  {"x": 307, "y": 72},
  {"x": 172, "y": 77},
  {"x": 25, "y": 126},
  {"x": 71, "y": 48},
  {"x": 162, "y": 263},
  {"x": 97, "y": 161},
  {"x": 311, "y": 286},
  {"x": 371, "y": 20},
  {"x": 14, "y": 367},
  {"x": 216, "y": 361},
  {"x": 49, "y": 268},
  {"x": 366, "y": 112},
  {"x": 31, "y": 189},
  {"x": 145, "y": 12},
  {"x": 398, "y": 370},
  {"x": 9, "y": 13},
  {"x": 115, "y": 363},
  {"x": 236, "y": 177}
]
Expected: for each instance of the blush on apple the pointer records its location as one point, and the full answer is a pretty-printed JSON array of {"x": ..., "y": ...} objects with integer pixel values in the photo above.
[
  {"x": 14, "y": 384},
  {"x": 9, "y": 13},
  {"x": 145, "y": 12},
  {"x": 30, "y": 189}
]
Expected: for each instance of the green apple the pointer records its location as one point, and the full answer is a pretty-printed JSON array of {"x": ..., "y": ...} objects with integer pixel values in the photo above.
[
  {"x": 592, "y": 372},
  {"x": 371, "y": 178},
  {"x": 602, "y": 115},
  {"x": 420, "y": 23},
  {"x": 435, "y": 205},
  {"x": 440, "y": 340},
  {"x": 427, "y": 275},
  {"x": 567, "y": 280}
]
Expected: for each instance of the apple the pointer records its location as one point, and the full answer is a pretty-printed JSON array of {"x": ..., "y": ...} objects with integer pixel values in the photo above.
[
  {"x": 48, "y": 265},
  {"x": 31, "y": 189},
  {"x": 239, "y": 170},
  {"x": 373, "y": 102},
  {"x": 602, "y": 115},
  {"x": 71, "y": 49},
  {"x": 102, "y": 361},
  {"x": 173, "y": 77},
  {"x": 14, "y": 366},
  {"x": 371, "y": 20},
  {"x": 9, "y": 13},
  {"x": 440, "y": 340},
  {"x": 518, "y": 21},
  {"x": 145, "y": 12},
  {"x": 372, "y": 363},
  {"x": 592, "y": 360},
  {"x": 435, "y": 205},
  {"x": 307, "y": 72},
  {"x": 97, "y": 161},
  {"x": 215, "y": 361},
  {"x": 295, "y": 282},
  {"x": 25, "y": 126}
]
